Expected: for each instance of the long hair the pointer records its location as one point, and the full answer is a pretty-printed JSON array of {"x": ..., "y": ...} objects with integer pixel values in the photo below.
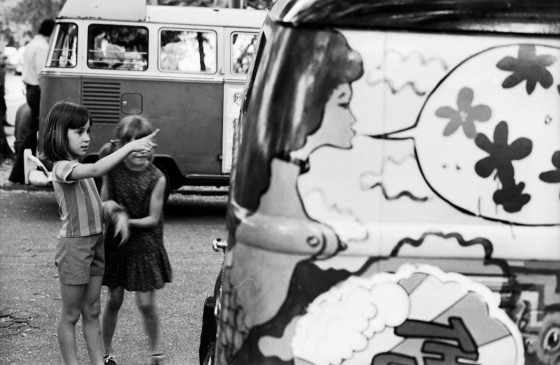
[
  {"x": 299, "y": 70},
  {"x": 62, "y": 117}
]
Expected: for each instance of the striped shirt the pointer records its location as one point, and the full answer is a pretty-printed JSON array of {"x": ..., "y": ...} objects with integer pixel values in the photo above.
[{"x": 78, "y": 200}]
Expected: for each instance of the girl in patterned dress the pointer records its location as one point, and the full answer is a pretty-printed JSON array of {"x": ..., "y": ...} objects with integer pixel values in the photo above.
[
  {"x": 80, "y": 257},
  {"x": 139, "y": 264}
]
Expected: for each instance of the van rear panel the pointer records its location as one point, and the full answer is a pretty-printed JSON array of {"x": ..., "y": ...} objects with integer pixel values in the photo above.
[{"x": 397, "y": 202}]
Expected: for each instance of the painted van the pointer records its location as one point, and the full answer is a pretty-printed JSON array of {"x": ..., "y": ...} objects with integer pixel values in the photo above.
[{"x": 396, "y": 194}]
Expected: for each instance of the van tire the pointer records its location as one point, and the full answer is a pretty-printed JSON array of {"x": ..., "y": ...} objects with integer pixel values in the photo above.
[
  {"x": 548, "y": 340},
  {"x": 209, "y": 359},
  {"x": 208, "y": 333}
]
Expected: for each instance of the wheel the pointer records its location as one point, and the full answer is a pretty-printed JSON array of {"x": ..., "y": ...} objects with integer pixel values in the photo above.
[
  {"x": 548, "y": 340},
  {"x": 209, "y": 359},
  {"x": 208, "y": 332}
]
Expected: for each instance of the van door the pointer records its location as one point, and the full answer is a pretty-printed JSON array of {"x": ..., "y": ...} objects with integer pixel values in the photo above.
[{"x": 240, "y": 46}]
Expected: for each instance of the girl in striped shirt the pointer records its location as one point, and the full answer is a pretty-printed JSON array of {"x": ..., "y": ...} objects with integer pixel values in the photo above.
[{"x": 80, "y": 255}]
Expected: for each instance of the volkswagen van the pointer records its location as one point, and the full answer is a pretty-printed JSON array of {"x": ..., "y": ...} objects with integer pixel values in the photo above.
[
  {"x": 182, "y": 67},
  {"x": 396, "y": 194}
]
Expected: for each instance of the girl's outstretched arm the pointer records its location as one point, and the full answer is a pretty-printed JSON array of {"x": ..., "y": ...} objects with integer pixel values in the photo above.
[
  {"x": 104, "y": 194},
  {"x": 156, "y": 207},
  {"x": 102, "y": 166}
]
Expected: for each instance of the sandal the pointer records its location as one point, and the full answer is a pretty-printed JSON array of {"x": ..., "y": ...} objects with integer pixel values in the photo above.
[
  {"x": 109, "y": 360},
  {"x": 158, "y": 359}
]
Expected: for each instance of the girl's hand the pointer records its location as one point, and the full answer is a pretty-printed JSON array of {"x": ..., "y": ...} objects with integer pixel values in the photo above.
[
  {"x": 145, "y": 144},
  {"x": 121, "y": 227}
]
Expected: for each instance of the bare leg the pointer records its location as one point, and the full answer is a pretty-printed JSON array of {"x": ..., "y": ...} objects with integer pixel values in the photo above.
[
  {"x": 115, "y": 297},
  {"x": 146, "y": 304},
  {"x": 91, "y": 307},
  {"x": 72, "y": 296}
]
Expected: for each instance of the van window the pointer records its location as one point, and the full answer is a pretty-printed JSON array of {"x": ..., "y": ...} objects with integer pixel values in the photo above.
[
  {"x": 243, "y": 47},
  {"x": 260, "y": 47},
  {"x": 64, "y": 53},
  {"x": 119, "y": 47},
  {"x": 188, "y": 51}
]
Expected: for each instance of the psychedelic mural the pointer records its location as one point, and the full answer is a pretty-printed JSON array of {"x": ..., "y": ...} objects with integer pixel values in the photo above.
[
  {"x": 418, "y": 315},
  {"x": 431, "y": 156}
]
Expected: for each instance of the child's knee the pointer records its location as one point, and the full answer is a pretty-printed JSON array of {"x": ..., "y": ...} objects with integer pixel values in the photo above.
[
  {"x": 146, "y": 308},
  {"x": 70, "y": 315},
  {"x": 91, "y": 310},
  {"x": 115, "y": 300}
]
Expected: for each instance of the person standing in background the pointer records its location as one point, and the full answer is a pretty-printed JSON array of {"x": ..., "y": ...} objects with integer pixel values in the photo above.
[
  {"x": 34, "y": 59},
  {"x": 3, "y": 107}
]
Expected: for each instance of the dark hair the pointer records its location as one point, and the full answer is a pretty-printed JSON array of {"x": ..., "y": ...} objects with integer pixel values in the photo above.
[
  {"x": 46, "y": 27},
  {"x": 62, "y": 117},
  {"x": 296, "y": 78},
  {"x": 133, "y": 127}
]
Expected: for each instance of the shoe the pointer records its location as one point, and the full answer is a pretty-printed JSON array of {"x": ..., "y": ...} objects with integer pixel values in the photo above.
[
  {"x": 109, "y": 359},
  {"x": 158, "y": 359}
]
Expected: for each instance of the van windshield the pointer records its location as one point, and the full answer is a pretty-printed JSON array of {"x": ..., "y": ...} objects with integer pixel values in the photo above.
[{"x": 63, "y": 53}]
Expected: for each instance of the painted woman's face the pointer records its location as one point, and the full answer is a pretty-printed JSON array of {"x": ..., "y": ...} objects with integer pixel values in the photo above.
[{"x": 336, "y": 128}]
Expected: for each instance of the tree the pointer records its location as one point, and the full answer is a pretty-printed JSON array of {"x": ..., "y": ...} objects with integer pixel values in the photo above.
[{"x": 34, "y": 11}]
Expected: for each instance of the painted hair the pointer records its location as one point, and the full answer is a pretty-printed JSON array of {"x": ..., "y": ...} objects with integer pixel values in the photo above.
[
  {"x": 62, "y": 117},
  {"x": 296, "y": 79},
  {"x": 132, "y": 127}
]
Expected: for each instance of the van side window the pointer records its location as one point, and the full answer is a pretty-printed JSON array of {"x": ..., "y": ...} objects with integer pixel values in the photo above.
[
  {"x": 63, "y": 53},
  {"x": 188, "y": 51},
  {"x": 117, "y": 47},
  {"x": 243, "y": 46}
]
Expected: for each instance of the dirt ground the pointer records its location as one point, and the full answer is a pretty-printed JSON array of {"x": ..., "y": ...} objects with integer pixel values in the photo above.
[{"x": 29, "y": 292}]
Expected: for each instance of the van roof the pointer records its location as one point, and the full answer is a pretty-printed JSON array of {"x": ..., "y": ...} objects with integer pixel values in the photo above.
[
  {"x": 500, "y": 16},
  {"x": 137, "y": 10}
]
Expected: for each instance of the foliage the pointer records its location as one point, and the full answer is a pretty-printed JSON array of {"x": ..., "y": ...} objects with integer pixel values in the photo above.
[{"x": 34, "y": 11}]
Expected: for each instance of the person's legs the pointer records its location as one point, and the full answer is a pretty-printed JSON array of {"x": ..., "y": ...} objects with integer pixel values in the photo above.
[
  {"x": 146, "y": 304},
  {"x": 69, "y": 315},
  {"x": 91, "y": 307},
  {"x": 33, "y": 96},
  {"x": 115, "y": 297}
]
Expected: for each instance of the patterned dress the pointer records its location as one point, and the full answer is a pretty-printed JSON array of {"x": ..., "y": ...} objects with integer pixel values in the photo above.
[{"x": 141, "y": 263}]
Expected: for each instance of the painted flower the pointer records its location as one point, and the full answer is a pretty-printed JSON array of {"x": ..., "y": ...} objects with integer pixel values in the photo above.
[
  {"x": 552, "y": 176},
  {"x": 501, "y": 155},
  {"x": 527, "y": 67},
  {"x": 465, "y": 115},
  {"x": 512, "y": 197}
]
